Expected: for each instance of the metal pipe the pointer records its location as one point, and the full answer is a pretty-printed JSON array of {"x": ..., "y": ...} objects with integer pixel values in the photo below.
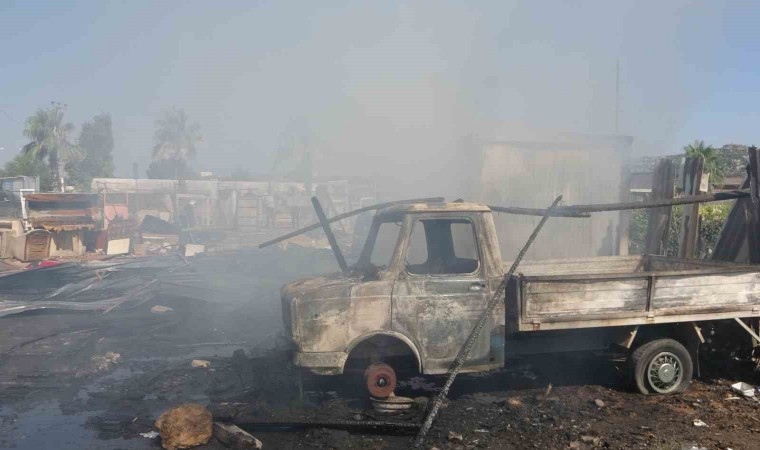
[
  {"x": 346, "y": 215},
  {"x": 330, "y": 236}
]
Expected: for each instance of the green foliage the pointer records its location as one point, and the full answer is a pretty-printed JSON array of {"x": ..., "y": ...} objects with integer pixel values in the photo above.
[
  {"x": 712, "y": 216},
  {"x": 26, "y": 164},
  {"x": 49, "y": 137},
  {"x": 712, "y": 163},
  {"x": 637, "y": 231},
  {"x": 176, "y": 138},
  {"x": 96, "y": 143}
]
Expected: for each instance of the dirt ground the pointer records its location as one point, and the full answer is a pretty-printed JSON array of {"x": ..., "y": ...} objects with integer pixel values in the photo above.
[{"x": 97, "y": 381}]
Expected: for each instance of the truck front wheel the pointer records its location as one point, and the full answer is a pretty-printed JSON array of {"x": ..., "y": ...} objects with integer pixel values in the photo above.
[{"x": 662, "y": 366}]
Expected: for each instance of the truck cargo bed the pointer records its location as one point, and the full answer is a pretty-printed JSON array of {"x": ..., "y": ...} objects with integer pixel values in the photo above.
[{"x": 628, "y": 290}]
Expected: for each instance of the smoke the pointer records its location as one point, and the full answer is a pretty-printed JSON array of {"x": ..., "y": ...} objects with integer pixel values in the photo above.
[{"x": 384, "y": 89}]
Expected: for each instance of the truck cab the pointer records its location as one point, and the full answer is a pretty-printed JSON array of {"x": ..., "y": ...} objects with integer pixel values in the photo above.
[{"x": 424, "y": 276}]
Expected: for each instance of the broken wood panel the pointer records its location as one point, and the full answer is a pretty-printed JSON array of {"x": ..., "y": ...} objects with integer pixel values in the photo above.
[
  {"x": 579, "y": 298},
  {"x": 733, "y": 235},
  {"x": 753, "y": 207},
  {"x": 710, "y": 292},
  {"x": 663, "y": 187},
  {"x": 692, "y": 176}
]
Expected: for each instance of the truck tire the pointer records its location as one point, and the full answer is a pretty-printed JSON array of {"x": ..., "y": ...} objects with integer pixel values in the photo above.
[{"x": 662, "y": 366}]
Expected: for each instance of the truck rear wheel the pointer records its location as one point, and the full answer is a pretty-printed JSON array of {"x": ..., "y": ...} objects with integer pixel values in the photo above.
[
  {"x": 381, "y": 380},
  {"x": 662, "y": 366}
]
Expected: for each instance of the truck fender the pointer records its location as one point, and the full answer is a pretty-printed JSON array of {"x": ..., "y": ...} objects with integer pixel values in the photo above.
[{"x": 403, "y": 338}]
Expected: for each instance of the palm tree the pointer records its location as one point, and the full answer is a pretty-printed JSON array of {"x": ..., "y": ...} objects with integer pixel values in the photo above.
[
  {"x": 710, "y": 162},
  {"x": 49, "y": 137},
  {"x": 176, "y": 138}
]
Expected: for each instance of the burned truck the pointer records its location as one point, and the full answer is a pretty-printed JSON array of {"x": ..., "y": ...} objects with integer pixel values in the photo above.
[{"x": 428, "y": 270}]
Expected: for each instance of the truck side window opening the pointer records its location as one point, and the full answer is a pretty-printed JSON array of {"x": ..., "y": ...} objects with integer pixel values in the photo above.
[
  {"x": 442, "y": 246},
  {"x": 385, "y": 244},
  {"x": 417, "y": 253}
]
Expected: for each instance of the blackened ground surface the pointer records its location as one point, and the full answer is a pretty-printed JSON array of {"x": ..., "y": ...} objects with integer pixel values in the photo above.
[{"x": 96, "y": 381}]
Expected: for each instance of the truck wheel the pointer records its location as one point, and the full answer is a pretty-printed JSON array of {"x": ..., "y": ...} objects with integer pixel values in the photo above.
[
  {"x": 381, "y": 380},
  {"x": 662, "y": 366}
]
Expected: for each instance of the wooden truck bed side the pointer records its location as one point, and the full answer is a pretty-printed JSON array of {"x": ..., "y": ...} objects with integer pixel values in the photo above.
[{"x": 618, "y": 291}]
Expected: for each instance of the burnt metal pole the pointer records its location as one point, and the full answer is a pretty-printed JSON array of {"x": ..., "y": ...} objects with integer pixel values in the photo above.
[
  {"x": 346, "y": 215},
  {"x": 465, "y": 352},
  {"x": 330, "y": 236}
]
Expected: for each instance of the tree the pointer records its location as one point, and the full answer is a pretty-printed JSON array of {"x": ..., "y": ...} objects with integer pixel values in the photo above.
[
  {"x": 177, "y": 142},
  {"x": 176, "y": 138},
  {"x": 26, "y": 164},
  {"x": 49, "y": 137},
  {"x": 96, "y": 144},
  {"x": 711, "y": 162}
]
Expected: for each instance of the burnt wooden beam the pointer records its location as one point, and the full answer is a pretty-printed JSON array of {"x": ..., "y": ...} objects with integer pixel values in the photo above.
[
  {"x": 330, "y": 236},
  {"x": 753, "y": 222},
  {"x": 686, "y": 200},
  {"x": 346, "y": 215},
  {"x": 663, "y": 188},
  {"x": 733, "y": 235},
  {"x": 585, "y": 210},
  {"x": 692, "y": 179}
]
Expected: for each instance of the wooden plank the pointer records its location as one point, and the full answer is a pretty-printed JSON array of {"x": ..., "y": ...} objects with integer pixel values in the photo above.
[
  {"x": 713, "y": 292},
  {"x": 602, "y": 264},
  {"x": 733, "y": 235},
  {"x": 692, "y": 176},
  {"x": 663, "y": 188},
  {"x": 753, "y": 228},
  {"x": 584, "y": 210},
  {"x": 630, "y": 319},
  {"x": 642, "y": 275},
  {"x": 597, "y": 287},
  {"x": 573, "y": 299}
]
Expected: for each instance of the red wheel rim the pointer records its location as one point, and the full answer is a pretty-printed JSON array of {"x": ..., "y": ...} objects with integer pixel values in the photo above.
[{"x": 381, "y": 380}]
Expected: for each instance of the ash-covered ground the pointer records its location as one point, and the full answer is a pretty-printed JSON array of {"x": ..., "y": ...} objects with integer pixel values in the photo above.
[{"x": 94, "y": 380}]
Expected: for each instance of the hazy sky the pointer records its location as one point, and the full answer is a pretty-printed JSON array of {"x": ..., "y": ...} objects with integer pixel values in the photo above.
[{"x": 389, "y": 80}]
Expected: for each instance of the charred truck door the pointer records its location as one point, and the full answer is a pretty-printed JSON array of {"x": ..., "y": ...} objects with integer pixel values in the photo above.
[{"x": 441, "y": 288}]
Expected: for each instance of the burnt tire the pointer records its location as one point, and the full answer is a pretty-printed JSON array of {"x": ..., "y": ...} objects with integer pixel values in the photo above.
[{"x": 662, "y": 366}]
